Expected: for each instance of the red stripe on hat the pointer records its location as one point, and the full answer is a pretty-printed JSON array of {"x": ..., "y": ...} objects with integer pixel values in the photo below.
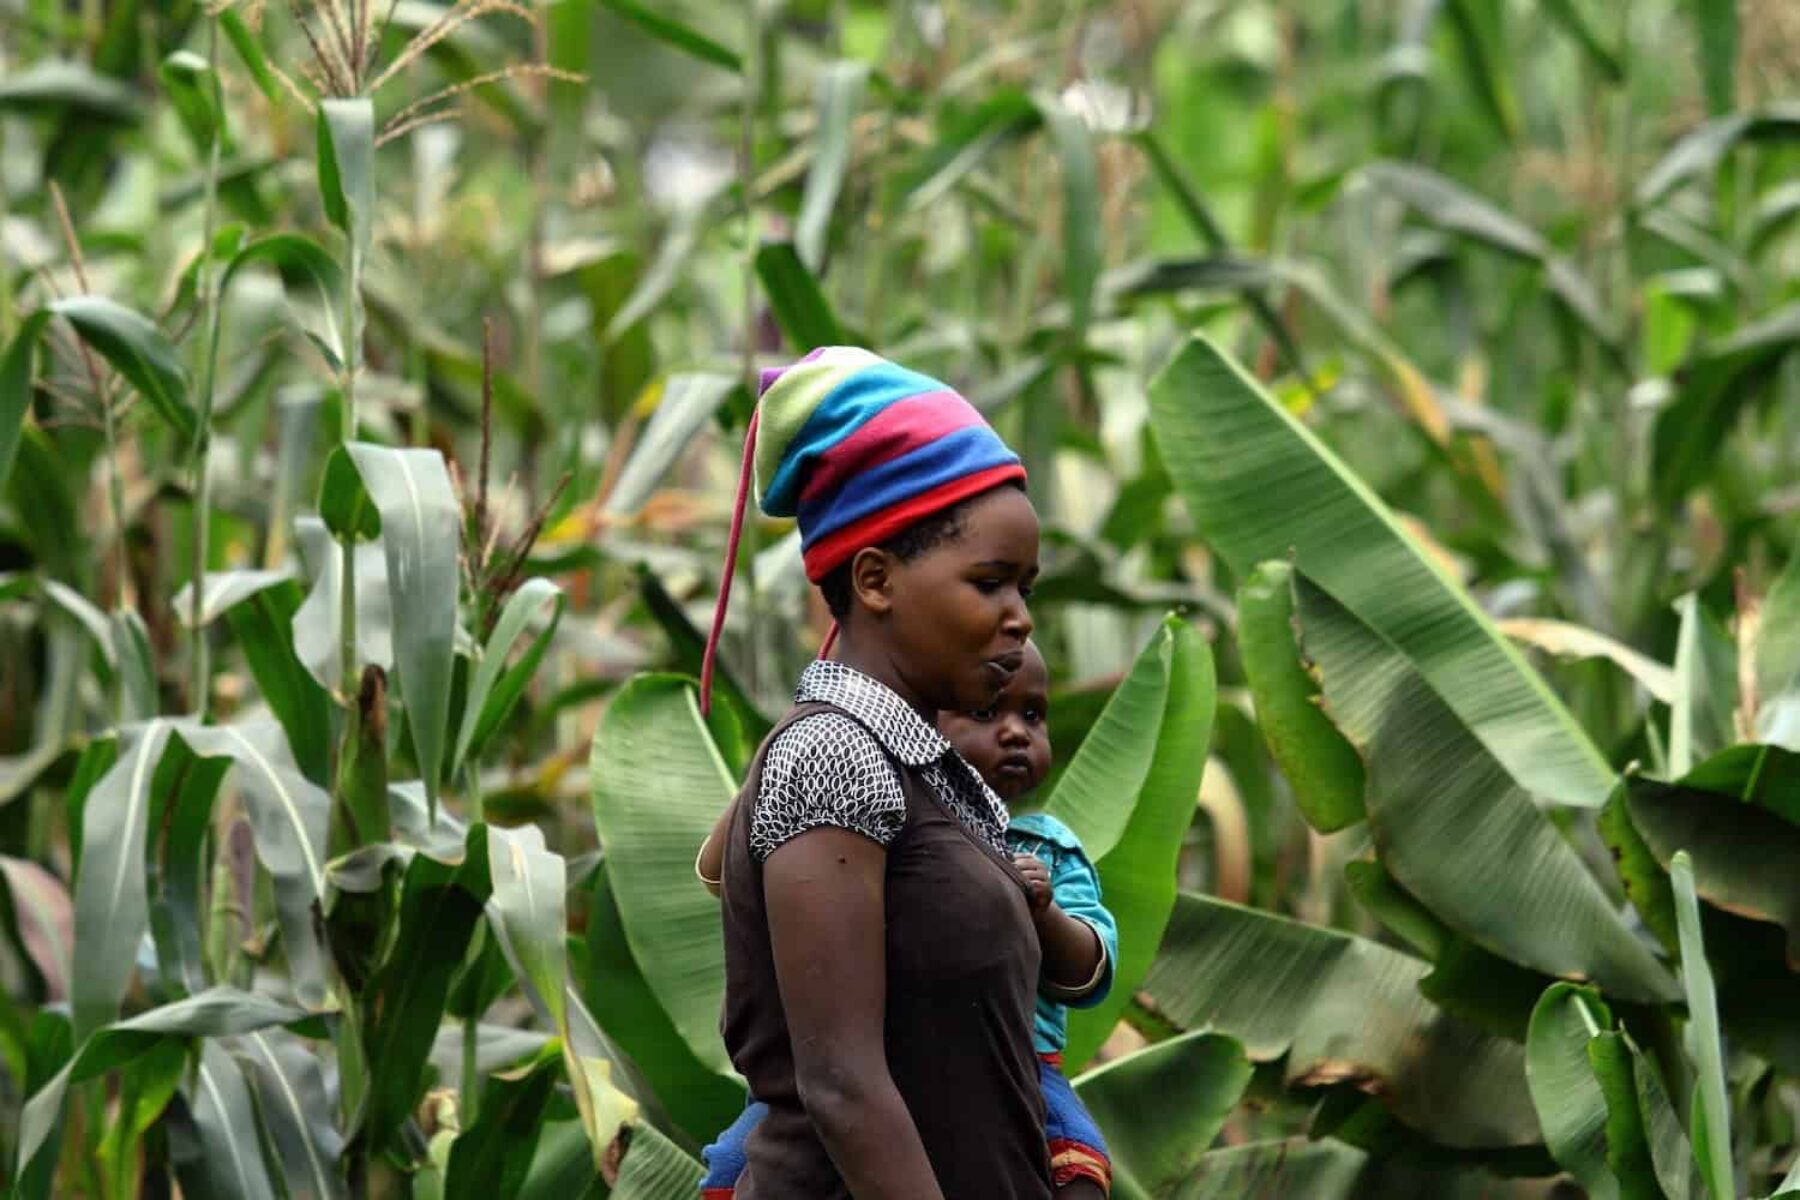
[
  {"x": 902, "y": 426},
  {"x": 829, "y": 552}
]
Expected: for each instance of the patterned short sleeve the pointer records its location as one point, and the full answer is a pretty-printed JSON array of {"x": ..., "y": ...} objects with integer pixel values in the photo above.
[{"x": 826, "y": 769}]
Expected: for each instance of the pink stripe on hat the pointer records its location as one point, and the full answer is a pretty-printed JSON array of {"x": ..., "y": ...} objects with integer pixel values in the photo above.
[{"x": 905, "y": 425}]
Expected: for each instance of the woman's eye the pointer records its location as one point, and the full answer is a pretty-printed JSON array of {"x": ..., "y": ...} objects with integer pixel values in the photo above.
[
  {"x": 987, "y": 587},
  {"x": 1025, "y": 590}
]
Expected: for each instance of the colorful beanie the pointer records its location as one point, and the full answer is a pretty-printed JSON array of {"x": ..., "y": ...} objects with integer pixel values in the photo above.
[{"x": 857, "y": 449}]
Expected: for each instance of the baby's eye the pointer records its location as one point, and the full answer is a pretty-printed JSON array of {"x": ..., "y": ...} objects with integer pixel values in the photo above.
[
  {"x": 1034, "y": 716},
  {"x": 983, "y": 715}
]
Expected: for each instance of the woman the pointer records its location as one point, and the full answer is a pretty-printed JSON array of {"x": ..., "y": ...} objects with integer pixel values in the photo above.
[{"x": 881, "y": 962}]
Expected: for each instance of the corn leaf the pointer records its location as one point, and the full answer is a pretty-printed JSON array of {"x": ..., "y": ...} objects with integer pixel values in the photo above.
[
  {"x": 1716, "y": 23},
  {"x": 1081, "y": 221},
  {"x": 15, "y": 386},
  {"x": 111, "y": 909},
  {"x": 1712, "y": 1112},
  {"x": 684, "y": 37},
  {"x": 226, "y": 1118},
  {"x": 495, "y": 687},
  {"x": 420, "y": 523},
  {"x": 840, "y": 92},
  {"x": 216, "y": 1012},
  {"x": 263, "y": 624},
  {"x": 346, "y": 148},
  {"x": 796, "y": 299},
  {"x": 440, "y": 904},
  {"x": 491, "y": 1158},
  {"x": 193, "y": 90},
  {"x": 139, "y": 352},
  {"x": 56, "y": 85},
  {"x": 296, "y": 1110},
  {"x": 686, "y": 404},
  {"x": 43, "y": 917},
  {"x": 316, "y": 621}
]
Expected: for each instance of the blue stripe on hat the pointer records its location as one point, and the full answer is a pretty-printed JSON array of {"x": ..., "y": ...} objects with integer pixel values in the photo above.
[
  {"x": 849, "y": 406},
  {"x": 951, "y": 457}
]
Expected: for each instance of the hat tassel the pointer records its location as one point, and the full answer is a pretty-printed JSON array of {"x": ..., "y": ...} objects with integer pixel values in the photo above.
[{"x": 709, "y": 660}]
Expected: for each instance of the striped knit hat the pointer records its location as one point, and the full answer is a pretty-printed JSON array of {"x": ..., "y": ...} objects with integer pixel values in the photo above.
[{"x": 857, "y": 449}]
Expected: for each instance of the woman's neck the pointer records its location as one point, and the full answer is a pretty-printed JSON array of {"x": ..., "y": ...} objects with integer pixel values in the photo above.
[{"x": 880, "y": 666}]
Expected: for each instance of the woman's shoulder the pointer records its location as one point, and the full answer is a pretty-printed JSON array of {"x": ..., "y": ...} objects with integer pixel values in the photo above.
[
  {"x": 826, "y": 768},
  {"x": 824, "y": 733}
]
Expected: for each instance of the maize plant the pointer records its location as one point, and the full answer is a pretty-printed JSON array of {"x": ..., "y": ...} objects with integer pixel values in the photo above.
[{"x": 1408, "y": 393}]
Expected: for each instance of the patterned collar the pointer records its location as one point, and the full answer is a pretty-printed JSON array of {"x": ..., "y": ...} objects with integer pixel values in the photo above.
[{"x": 894, "y": 722}]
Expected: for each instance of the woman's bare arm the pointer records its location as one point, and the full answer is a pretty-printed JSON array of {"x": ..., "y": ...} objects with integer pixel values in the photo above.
[
  {"x": 709, "y": 864},
  {"x": 824, "y": 894}
]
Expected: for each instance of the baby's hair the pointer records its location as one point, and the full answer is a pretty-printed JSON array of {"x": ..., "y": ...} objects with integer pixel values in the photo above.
[{"x": 917, "y": 539}]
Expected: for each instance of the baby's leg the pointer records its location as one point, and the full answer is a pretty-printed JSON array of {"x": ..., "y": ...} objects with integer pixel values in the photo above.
[{"x": 1079, "y": 1166}]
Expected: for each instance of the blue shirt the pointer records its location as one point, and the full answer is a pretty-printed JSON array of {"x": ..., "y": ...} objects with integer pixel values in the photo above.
[{"x": 1075, "y": 886}]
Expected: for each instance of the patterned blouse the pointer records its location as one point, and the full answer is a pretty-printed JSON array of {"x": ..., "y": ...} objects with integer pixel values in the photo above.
[{"x": 833, "y": 769}]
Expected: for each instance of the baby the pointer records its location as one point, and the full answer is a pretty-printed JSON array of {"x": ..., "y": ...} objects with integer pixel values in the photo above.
[{"x": 1009, "y": 745}]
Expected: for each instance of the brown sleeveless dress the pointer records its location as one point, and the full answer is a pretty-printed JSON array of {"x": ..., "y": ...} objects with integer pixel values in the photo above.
[{"x": 962, "y": 972}]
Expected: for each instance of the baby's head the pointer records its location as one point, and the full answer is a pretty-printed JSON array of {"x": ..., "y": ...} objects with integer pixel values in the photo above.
[{"x": 1009, "y": 742}]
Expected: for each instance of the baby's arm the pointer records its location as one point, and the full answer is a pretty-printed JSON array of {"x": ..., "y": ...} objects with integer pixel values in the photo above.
[
  {"x": 1075, "y": 887},
  {"x": 1074, "y": 958},
  {"x": 709, "y": 864}
]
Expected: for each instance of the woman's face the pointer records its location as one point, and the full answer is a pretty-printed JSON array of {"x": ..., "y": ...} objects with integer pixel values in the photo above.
[
  {"x": 1008, "y": 743},
  {"x": 956, "y": 622}
]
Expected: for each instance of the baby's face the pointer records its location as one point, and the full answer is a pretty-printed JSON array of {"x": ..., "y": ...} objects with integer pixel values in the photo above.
[{"x": 1009, "y": 744}]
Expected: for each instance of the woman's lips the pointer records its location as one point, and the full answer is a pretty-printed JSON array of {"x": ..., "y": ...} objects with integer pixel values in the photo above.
[
  {"x": 999, "y": 672},
  {"x": 1005, "y": 666}
]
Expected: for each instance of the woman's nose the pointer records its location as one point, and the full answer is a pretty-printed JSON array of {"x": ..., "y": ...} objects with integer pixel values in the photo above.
[{"x": 1017, "y": 621}]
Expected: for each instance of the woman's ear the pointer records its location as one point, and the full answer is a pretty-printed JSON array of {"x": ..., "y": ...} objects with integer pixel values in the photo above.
[{"x": 872, "y": 579}]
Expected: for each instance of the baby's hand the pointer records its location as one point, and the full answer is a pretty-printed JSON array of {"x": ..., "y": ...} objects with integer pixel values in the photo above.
[{"x": 1037, "y": 881}]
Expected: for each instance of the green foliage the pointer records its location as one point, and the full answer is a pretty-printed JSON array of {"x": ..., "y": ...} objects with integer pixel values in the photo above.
[{"x": 1409, "y": 386}]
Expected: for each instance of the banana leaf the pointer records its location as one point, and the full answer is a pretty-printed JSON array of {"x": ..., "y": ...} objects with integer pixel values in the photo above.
[
  {"x": 1229, "y": 446},
  {"x": 1130, "y": 795},
  {"x": 1339, "y": 1009},
  {"x": 1161, "y": 1107},
  {"x": 1456, "y": 830},
  {"x": 658, "y": 784}
]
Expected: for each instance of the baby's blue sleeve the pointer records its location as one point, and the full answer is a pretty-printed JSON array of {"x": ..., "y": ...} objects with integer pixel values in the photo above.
[{"x": 1075, "y": 886}]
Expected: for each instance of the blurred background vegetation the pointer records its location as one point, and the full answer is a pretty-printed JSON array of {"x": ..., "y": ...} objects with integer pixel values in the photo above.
[{"x": 419, "y": 335}]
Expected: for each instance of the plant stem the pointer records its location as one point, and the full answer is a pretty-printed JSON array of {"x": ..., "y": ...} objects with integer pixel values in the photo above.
[
  {"x": 753, "y": 83},
  {"x": 466, "y": 1103},
  {"x": 115, "y": 484},
  {"x": 199, "y": 672},
  {"x": 6, "y": 297},
  {"x": 347, "y": 434}
]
